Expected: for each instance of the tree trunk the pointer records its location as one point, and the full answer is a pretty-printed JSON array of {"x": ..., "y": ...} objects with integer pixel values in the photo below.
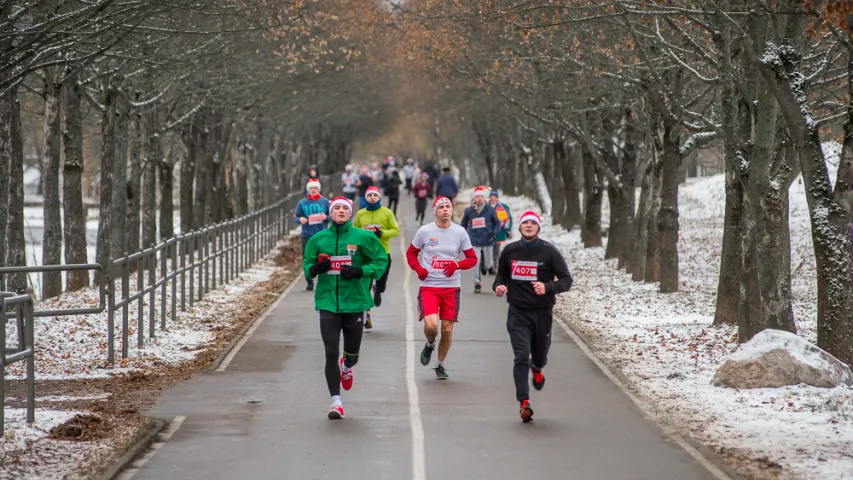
[
  {"x": 731, "y": 258},
  {"x": 167, "y": 206},
  {"x": 106, "y": 185},
  {"x": 16, "y": 252},
  {"x": 614, "y": 196},
  {"x": 628, "y": 174},
  {"x": 202, "y": 177},
  {"x": 668, "y": 216},
  {"x": 52, "y": 241},
  {"x": 751, "y": 311},
  {"x": 241, "y": 181},
  {"x": 72, "y": 187},
  {"x": 570, "y": 184},
  {"x": 653, "y": 232},
  {"x": 638, "y": 263},
  {"x": 187, "y": 177},
  {"x": 119, "y": 233},
  {"x": 592, "y": 194},
  {"x": 153, "y": 157},
  {"x": 134, "y": 187}
]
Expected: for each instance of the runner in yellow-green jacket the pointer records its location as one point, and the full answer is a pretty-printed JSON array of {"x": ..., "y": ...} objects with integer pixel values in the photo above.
[{"x": 381, "y": 221}]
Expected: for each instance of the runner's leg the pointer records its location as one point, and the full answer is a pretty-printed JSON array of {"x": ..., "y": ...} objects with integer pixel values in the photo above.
[
  {"x": 446, "y": 339},
  {"x": 478, "y": 251},
  {"x": 449, "y": 315},
  {"x": 541, "y": 338},
  {"x": 330, "y": 332},
  {"x": 353, "y": 331},
  {"x": 496, "y": 254},
  {"x": 521, "y": 330},
  {"x": 487, "y": 257}
]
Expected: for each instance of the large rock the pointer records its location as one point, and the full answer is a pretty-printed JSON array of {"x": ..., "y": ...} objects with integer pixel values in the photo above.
[{"x": 775, "y": 358}]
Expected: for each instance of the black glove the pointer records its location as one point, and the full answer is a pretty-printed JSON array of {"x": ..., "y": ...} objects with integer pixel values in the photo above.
[
  {"x": 320, "y": 267},
  {"x": 349, "y": 272},
  {"x": 378, "y": 233},
  {"x": 492, "y": 238}
]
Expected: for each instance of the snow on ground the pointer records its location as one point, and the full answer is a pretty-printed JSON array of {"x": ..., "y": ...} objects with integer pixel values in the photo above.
[
  {"x": 76, "y": 346},
  {"x": 666, "y": 346}
]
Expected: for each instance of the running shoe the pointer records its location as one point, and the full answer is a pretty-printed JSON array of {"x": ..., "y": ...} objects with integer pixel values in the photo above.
[
  {"x": 336, "y": 412},
  {"x": 483, "y": 271},
  {"x": 377, "y": 296},
  {"x": 526, "y": 411},
  {"x": 477, "y": 288},
  {"x": 309, "y": 287},
  {"x": 426, "y": 354},
  {"x": 441, "y": 373},
  {"x": 538, "y": 379},
  {"x": 492, "y": 271},
  {"x": 346, "y": 378},
  {"x": 367, "y": 323}
]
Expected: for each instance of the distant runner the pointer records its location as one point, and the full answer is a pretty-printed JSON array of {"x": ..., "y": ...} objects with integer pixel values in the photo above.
[
  {"x": 313, "y": 213},
  {"x": 439, "y": 245},
  {"x": 422, "y": 190},
  {"x": 531, "y": 272},
  {"x": 482, "y": 224},
  {"x": 342, "y": 258},
  {"x": 505, "y": 217},
  {"x": 381, "y": 222}
]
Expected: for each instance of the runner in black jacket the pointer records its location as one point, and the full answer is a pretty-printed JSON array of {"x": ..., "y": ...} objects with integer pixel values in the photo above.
[{"x": 531, "y": 272}]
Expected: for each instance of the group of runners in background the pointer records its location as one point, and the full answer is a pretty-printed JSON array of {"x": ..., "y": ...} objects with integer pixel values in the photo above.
[{"x": 346, "y": 251}]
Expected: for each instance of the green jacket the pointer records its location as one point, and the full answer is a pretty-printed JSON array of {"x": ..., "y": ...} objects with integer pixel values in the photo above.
[
  {"x": 332, "y": 292},
  {"x": 382, "y": 216},
  {"x": 502, "y": 235}
]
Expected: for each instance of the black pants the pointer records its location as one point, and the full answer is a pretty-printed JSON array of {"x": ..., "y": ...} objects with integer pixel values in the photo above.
[
  {"x": 304, "y": 243},
  {"x": 393, "y": 201},
  {"x": 382, "y": 283},
  {"x": 529, "y": 333},
  {"x": 331, "y": 326},
  {"x": 420, "y": 208}
]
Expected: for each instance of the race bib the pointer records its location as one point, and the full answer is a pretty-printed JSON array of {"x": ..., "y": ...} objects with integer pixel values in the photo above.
[
  {"x": 338, "y": 263},
  {"x": 422, "y": 193},
  {"x": 373, "y": 227},
  {"x": 441, "y": 263},
  {"x": 315, "y": 219},
  {"x": 525, "y": 271},
  {"x": 479, "y": 222}
]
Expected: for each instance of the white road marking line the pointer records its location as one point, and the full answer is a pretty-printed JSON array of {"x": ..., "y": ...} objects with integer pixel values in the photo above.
[
  {"x": 418, "y": 455},
  {"x": 165, "y": 435},
  {"x": 233, "y": 353},
  {"x": 701, "y": 459}
]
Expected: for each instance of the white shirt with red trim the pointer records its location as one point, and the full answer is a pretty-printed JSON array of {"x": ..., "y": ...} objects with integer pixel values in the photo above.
[{"x": 438, "y": 247}]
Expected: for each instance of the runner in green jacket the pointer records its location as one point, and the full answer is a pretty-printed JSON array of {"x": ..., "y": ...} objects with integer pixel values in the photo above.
[
  {"x": 344, "y": 259},
  {"x": 382, "y": 222}
]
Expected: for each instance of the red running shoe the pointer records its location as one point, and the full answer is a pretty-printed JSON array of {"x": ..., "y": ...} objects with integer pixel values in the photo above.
[
  {"x": 526, "y": 411},
  {"x": 346, "y": 378},
  {"x": 538, "y": 380},
  {"x": 336, "y": 412}
]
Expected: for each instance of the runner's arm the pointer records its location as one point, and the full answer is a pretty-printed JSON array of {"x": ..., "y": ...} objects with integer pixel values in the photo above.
[
  {"x": 501, "y": 277},
  {"x": 392, "y": 229},
  {"x": 470, "y": 260},
  {"x": 564, "y": 279},
  {"x": 412, "y": 257},
  {"x": 310, "y": 256},
  {"x": 464, "y": 222},
  {"x": 298, "y": 213},
  {"x": 496, "y": 222},
  {"x": 357, "y": 221},
  {"x": 378, "y": 258}
]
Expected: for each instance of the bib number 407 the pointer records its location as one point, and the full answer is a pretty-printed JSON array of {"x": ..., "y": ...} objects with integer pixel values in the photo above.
[{"x": 525, "y": 271}]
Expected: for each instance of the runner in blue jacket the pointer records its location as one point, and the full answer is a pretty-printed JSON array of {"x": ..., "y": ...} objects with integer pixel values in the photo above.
[
  {"x": 313, "y": 213},
  {"x": 483, "y": 226}
]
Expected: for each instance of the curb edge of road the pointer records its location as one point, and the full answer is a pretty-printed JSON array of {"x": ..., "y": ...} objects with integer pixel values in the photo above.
[
  {"x": 709, "y": 459},
  {"x": 132, "y": 450},
  {"x": 234, "y": 341}
]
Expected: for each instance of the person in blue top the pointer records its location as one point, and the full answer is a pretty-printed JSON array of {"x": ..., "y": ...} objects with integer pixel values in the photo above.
[
  {"x": 313, "y": 213},
  {"x": 483, "y": 226},
  {"x": 446, "y": 185}
]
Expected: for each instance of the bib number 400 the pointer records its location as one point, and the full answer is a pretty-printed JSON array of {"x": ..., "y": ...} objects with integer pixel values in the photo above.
[{"x": 525, "y": 271}]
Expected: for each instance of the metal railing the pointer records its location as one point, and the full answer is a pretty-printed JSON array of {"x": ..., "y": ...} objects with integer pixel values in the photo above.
[
  {"x": 23, "y": 306},
  {"x": 198, "y": 261}
]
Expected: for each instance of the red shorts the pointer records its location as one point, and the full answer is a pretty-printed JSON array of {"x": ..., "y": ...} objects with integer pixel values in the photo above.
[{"x": 441, "y": 301}]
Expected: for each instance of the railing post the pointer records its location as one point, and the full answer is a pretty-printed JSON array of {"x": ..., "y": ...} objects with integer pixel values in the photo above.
[
  {"x": 204, "y": 268},
  {"x": 152, "y": 299},
  {"x": 29, "y": 344},
  {"x": 174, "y": 281},
  {"x": 111, "y": 310},
  {"x": 191, "y": 247},
  {"x": 165, "y": 277},
  {"x": 3, "y": 368},
  {"x": 214, "y": 256},
  {"x": 140, "y": 300},
  {"x": 182, "y": 243}
]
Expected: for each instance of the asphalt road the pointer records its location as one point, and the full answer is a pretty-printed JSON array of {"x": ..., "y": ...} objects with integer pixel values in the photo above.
[{"x": 264, "y": 416}]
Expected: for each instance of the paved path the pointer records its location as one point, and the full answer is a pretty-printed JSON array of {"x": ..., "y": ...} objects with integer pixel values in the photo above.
[{"x": 264, "y": 416}]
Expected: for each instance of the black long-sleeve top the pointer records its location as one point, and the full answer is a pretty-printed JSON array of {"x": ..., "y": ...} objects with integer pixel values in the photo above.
[{"x": 523, "y": 263}]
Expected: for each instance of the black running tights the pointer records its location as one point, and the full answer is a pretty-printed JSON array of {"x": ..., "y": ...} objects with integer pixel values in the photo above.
[{"x": 331, "y": 326}]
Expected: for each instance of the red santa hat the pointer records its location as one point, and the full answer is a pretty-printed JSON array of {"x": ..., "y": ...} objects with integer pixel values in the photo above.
[
  {"x": 440, "y": 201},
  {"x": 312, "y": 183},
  {"x": 341, "y": 201},
  {"x": 372, "y": 189},
  {"x": 480, "y": 191},
  {"x": 532, "y": 216}
]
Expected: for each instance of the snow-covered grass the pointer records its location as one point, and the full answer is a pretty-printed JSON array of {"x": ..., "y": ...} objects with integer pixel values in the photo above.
[{"x": 666, "y": 345}]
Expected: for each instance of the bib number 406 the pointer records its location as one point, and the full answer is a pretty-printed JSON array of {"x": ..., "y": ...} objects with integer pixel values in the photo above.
[{"x": 525, "y": 271}]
